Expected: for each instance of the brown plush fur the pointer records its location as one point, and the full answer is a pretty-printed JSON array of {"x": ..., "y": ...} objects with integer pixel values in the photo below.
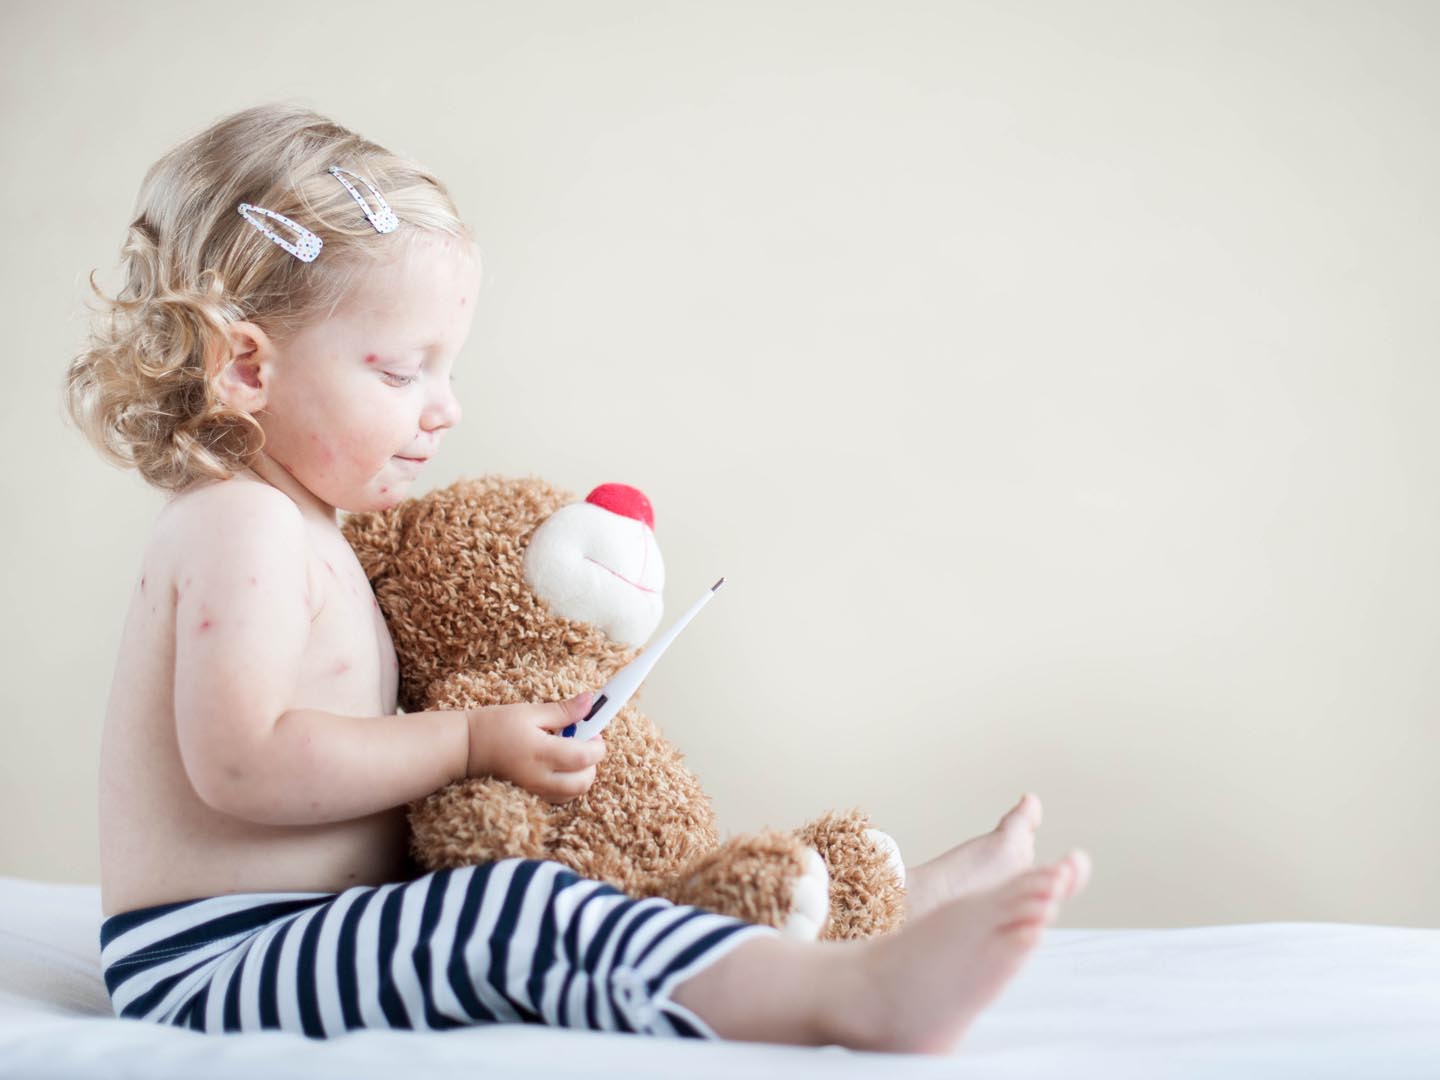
[{"x": 447, "y": 569}]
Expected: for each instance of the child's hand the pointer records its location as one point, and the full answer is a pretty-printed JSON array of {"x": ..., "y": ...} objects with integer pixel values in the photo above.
[{"x": 517, "y": 743}]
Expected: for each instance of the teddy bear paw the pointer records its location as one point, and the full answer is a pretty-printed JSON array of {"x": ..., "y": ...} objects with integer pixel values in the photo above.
[
  {"x": 810, "y": 900},
  {"x": 887, "y": 844}
]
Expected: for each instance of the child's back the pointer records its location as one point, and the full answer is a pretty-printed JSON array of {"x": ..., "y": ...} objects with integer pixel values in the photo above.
[{"x": 158, "y": 840}]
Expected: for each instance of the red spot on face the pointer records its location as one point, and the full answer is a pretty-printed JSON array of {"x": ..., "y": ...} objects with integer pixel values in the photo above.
[
  {"x": 206, "y": 625},
  {"x": 342, "y": 667},
  {"x": 252, "y": 581},
  {"x": 384, "y": 491},
  {"x": 372, "y": 359}
]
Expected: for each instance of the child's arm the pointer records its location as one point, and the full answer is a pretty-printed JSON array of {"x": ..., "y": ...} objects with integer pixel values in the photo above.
[{"x": 242, "y": 624}]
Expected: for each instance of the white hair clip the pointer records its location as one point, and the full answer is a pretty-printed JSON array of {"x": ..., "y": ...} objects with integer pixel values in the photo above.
[
  {"x": 383, "y": 219},
  {"x": 308, "y": 245},
  {"x": 305, "y": 249}
]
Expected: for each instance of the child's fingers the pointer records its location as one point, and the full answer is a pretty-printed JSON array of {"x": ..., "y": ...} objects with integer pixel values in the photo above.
[
  {"x": 573, "y": 755},
  {"x": 557, "y": 715},
  {"x": 565, "y": 786}
]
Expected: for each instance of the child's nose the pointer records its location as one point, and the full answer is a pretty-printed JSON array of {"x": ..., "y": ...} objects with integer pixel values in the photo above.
[{"x": 442, "y": 412}]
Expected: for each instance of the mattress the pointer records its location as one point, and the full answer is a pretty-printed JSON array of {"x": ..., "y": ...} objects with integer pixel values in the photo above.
[{"x": 1288, "y": 999}]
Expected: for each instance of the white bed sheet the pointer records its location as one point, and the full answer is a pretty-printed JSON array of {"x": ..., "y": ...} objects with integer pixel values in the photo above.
[{"x": 1311, "y": 1000}]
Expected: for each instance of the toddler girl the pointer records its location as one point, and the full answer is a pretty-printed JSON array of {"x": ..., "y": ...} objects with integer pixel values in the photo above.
[{"x": 295, "y": 297}]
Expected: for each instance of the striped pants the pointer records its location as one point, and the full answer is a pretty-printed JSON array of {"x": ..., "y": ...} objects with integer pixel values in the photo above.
[{"x": 519, "y": 940}]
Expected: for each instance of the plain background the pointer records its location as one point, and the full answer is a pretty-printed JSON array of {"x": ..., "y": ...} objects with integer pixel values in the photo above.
[{"x": 1054, "y": 384}]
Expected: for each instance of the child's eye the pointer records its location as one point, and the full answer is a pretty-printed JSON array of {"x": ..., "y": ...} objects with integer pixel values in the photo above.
[{"x": 407, "y": 379}]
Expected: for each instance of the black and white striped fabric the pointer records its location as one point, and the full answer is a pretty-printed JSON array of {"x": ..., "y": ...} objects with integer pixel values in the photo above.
[{"x": 515, "y": 941}]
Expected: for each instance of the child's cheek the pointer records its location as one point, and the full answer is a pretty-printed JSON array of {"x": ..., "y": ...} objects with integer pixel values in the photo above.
[
  {"x": 344, "y": 453},
  {"x": 320, "y": 449}
]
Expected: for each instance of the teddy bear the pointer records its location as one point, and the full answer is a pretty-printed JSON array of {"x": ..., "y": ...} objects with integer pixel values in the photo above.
[{"x": 507, "y": 589}]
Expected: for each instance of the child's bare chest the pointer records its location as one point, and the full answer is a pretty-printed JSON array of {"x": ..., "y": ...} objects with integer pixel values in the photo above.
[{"x": 349, "y": 664}]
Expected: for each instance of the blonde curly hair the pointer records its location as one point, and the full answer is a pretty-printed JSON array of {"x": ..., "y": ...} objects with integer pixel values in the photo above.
[{"x": 141, "y": 391}]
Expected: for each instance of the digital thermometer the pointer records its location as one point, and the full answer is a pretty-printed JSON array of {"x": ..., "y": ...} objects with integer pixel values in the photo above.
[{"x": 615, "y": 693}]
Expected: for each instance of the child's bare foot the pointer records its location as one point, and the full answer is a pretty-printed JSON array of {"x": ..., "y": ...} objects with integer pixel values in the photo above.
[
  {"x": 977, "y": 864},
  {"x": 922, "y": 986}
]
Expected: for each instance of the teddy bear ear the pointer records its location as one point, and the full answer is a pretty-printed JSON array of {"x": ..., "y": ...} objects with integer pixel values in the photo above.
[{"x": 375, "y": 535}]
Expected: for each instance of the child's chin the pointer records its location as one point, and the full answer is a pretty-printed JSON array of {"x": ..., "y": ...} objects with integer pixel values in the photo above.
[
  {"x": 382, "y": 497},
  {"x": 390, "y": 495}
]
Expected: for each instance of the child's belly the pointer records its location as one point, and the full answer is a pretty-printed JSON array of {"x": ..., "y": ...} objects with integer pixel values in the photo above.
[
  {"x": 160, "y": 842},
  {"x": 187, "y": 850}
]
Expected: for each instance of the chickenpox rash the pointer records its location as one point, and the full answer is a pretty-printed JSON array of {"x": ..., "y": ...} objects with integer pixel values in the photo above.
[
  {"x": 342, "y": 667},
  {"x": 205, "y": 625},
  {"x": 372, "y": 359}
]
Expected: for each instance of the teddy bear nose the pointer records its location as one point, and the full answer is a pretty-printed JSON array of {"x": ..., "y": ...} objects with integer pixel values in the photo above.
[{"x": 624, "y": 500}]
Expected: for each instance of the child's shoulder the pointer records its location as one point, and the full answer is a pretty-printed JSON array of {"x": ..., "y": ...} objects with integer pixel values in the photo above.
[
  {"x": 225, "y": 504},
  {"x": 216, "y": 529},
  {"x": 232, "y": 515}
]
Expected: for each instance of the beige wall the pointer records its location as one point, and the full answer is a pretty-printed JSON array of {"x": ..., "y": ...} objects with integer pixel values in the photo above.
[{"x": 1055, "y": 384}]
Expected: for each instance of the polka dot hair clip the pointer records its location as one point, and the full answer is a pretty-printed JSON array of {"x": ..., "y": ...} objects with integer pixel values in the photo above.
[
  {"x": 383, "y": 219},
  {"x": 305, "y": 249},
  {"x": 307, "y": 245}
]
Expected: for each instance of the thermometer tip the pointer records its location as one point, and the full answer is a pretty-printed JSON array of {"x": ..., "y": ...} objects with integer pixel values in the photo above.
[{"x": 717, "y": 584}]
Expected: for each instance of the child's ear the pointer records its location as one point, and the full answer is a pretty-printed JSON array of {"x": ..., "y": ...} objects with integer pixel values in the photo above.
[
  {"x": 240, "y": 369},
  {"x": 376, "y": 535}
]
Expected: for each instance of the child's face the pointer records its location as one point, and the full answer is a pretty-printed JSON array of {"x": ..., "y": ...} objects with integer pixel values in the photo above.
[{"x": 353, "y": 397}]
